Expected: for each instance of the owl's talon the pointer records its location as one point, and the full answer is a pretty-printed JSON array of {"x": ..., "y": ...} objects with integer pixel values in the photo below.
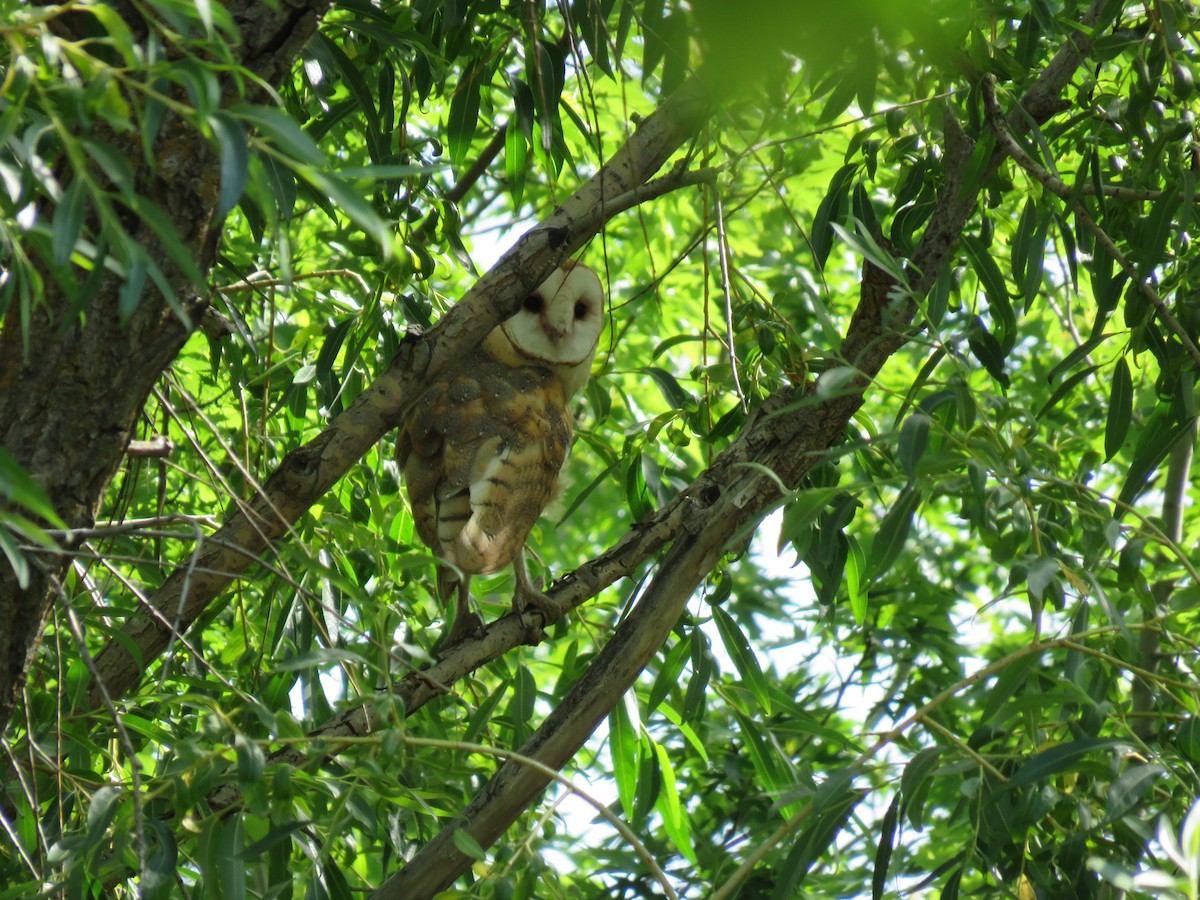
[
  {"x": 552, "y": 610},
  {"x": 529, "y": 593},
  {"x": 467, "y": 622}
]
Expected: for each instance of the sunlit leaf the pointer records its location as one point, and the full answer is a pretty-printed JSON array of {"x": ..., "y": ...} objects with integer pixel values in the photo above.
[
  {"x": 282, "y": 131},
  {"x": 623, "y": 745},
  {"x": 1120, "y": 409},
  {"x": 738, "y": 647},
  {"x": 893, "y": 531}
]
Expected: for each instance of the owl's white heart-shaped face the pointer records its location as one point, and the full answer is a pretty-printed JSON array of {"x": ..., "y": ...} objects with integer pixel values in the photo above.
[{"x": 559, "y": 324}]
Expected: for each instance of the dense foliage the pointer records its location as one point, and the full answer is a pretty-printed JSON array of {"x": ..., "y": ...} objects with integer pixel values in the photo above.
[{"x": 966, "y": 665}]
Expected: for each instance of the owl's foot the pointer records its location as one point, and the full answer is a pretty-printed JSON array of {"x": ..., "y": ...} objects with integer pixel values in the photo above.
[
  {"x": 551, "y": 609},
  {"x": 529, "y": 594},
  {"x": 466, "y": 622}
]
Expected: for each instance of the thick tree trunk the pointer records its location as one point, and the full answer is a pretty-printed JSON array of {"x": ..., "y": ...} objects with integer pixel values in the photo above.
[{"x": 72, "y": 386}]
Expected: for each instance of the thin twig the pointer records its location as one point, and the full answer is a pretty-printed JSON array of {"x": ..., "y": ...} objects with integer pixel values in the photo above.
[
  {"x": 135, "y": 764},
  {"x": 723, "y": 255},
  {"x": 999, "y": 125},
  {"x": 258, "y": 280}
]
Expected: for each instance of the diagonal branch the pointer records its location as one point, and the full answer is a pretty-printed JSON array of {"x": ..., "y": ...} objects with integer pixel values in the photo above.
[{"x": 307, "y": 472}]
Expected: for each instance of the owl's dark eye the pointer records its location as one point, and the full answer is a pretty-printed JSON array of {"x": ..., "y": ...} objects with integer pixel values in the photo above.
[
  {"x": 581, "y": 310},
  {"x": 533, "y": 303}
]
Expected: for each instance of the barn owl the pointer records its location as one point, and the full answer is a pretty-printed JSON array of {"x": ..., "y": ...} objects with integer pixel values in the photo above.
[{"x": 482, "y": 449}]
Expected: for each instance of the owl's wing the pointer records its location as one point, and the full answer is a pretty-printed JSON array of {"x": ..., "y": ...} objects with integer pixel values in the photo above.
[
  {"x": 419, "y": 454},
  {"x": 514, "y": 473},
  {"x": 481, "y": 455}
]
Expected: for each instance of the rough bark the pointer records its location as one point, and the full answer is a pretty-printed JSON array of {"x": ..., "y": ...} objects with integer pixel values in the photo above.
[{"x": 72, "y": 387}]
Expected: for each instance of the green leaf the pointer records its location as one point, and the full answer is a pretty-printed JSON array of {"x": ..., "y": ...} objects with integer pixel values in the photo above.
[
  {"x": 702, "y": 670},
  {"x": 275, "y": 836},
  {"x": 68, "y": 221},
  {"x": 1031, "y": 285},
  {"x": 1008, "y": 685},
  {"x": 667, "y": 680},
  {"x": 988, "y": 351},
  {"x": 1068, "y": 385},
  {"x": 516, "y": 162},
  {"x": 250, "y": 759},
  {"x": 1056, "y": 760},
  {"x": 17, "y": 486},
  {"x": 115, "y": 166},
  {"x": 653, "y": 43},
  {"x": 521, "y": 707},
  {"x": 755, "y": 740},
  {"x": 883, "y": 851},
  {"x": 1156, "y": 440},
  {"x": 204, "y": 9},
  {"x": 13, "y": 553},
  {"x": 893, "y": 531},
  {"x": 857, "y": 580},
  {"x": 235, "y": 159},
  {"x": 994, "y": 288},
  {"x": 744, "y": 660},
  {"x": 802, "y": 510},
  {"x": 164, "y": 230},
  {"x": 467, "y": 845},
  {"x": 915, "y": 782},
  {"x": 387, "y": 173},
  {"x": 1120, "y": 409},
  {"x": 158, "y": 878},
  {"x": 317, "y": 657},
  {"x": 463, "y": 118},
  {"x": 914, "y": 439},
  {"x": 866, "y": 247},
  {"x": 102, "y": 810},
  {"x": 671, "y": 389},
  {"x": 349, "y": 201},
  {"x": 839, "y": 99},
  {"x": 118, "y": 31},
  {"x": 1041, "y": 573},
  {"x": 1021, "y": 239},
  {"x": 1131, "y": 790},
  {"x": 623, "y": 747},
  {"x": 282, "y": 130},
  {"x": 356, "y": 84},
  {"x": 674, "y": 815},
  {"x": 833, "y": 803},
  {"x": 830, "y": 210}
]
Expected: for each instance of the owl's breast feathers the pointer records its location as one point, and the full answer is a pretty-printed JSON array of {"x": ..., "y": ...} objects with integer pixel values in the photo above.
[{"x": 481, "y": 453}]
